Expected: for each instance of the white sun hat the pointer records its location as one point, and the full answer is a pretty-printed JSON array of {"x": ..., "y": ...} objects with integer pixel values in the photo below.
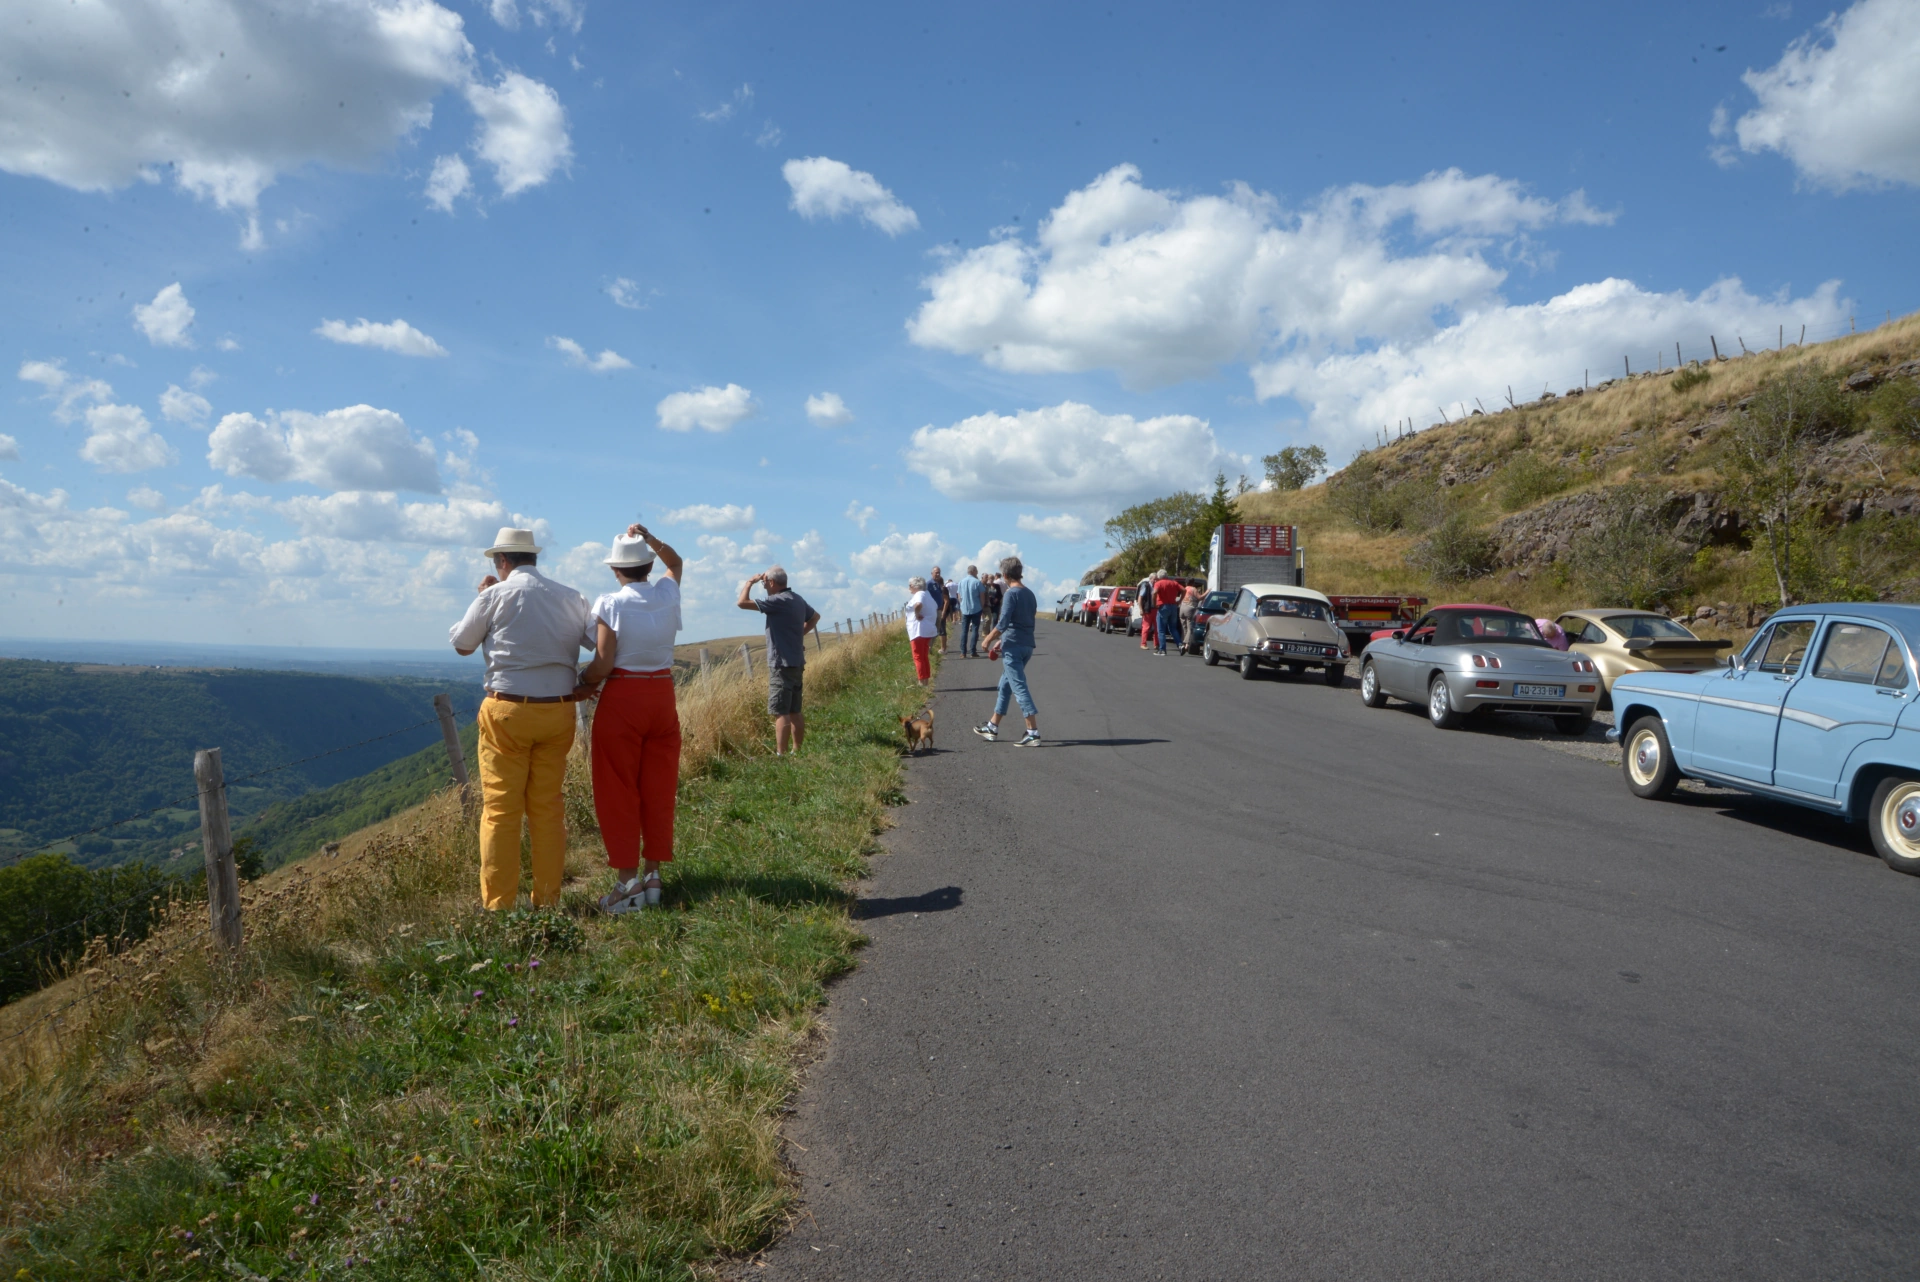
[
  {"x": 630, "y": 554},
  {"x": 512, "y": 540}
]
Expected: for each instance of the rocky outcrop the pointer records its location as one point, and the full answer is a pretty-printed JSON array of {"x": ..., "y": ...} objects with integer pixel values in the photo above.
[{"x": 1544, "y": 534}]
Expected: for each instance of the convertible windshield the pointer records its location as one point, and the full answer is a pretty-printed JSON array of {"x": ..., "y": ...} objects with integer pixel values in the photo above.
[
  {"x": 1489, "y": 627},
  {"x": 1291, "y": 607},
  {"x": 1652, "y": 626}
]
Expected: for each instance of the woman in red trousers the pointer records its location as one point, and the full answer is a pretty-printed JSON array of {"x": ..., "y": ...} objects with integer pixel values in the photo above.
[{"x": 636, "y": 728}]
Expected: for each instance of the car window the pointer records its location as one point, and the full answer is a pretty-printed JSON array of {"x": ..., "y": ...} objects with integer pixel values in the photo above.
[
  {"x": 1124, "y": 594},
  {"x": 1852, "y": 652},
  {"x": 1893, "y": 669},
  {"x": 1468, "y": 627},
  {"x": 1581, "y": 630},
  {"x": 1216, "y": 602},
  {"x": 1787, "y": 647},
  {"x": 1243, "y": 604},
  {"x": 1291, "y": 607},
  {"x": 1649, "y": 626}
]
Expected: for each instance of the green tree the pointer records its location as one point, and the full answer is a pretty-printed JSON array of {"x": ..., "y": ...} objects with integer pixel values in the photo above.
[
  {"x": 1218, "y": 510},
  {"x": 1770, "y": 447},
  {"x": 1296, "y": 466},
  {"x": 1628, "y": 555}
]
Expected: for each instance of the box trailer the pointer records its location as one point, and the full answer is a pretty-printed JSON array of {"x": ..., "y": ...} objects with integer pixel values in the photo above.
[{"x": 1242, "y": 554}]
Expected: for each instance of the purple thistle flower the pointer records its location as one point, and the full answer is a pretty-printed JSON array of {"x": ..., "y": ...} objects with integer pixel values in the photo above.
[
  {"x": 534, "y": 964},
  {"x": 514, "y": 1022},
  {"x": 313, "y": 1199},
  {"x": 189, "y": 1235},
  {"x": 479, "y": 992}
]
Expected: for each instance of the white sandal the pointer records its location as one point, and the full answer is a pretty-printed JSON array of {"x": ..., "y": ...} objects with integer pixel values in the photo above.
[
  {"x": 625, "y": 897},
  {"x": 650, "y": 889}
]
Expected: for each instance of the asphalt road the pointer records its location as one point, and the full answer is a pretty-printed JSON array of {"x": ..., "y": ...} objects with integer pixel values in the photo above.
[{"x": 1245, "y": 980}]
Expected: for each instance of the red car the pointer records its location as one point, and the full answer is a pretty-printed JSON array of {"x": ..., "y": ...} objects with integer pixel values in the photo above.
[
  {"x": 1089, "y": 613},
  {"x": 1115, "y": 610}
]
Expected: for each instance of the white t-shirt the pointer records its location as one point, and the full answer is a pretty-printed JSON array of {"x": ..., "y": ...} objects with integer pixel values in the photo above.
[
  {"x": 645, "y": 618},
  {"x": 928, "y": 624}
]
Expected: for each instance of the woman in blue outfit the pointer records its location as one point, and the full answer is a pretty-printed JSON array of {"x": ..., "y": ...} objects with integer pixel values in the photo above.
[{"x": 1014, "y": 634}]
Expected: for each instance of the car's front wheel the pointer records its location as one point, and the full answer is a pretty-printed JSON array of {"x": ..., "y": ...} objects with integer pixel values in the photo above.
[
  {"x": 1336, "y": 674},
  {"x": 1893, "y": 821},
  {"x": 1440, "y": 706},
  {"x": 1647, "y": 759},
  {"x": 1370, "y": 692},
  {"x": 1249, "y": 667},
  {"x": 1208, "y": 653}
]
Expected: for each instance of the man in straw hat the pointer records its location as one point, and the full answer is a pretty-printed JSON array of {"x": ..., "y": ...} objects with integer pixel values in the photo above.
[
  {"x": 532, "y": 631},
  {"x": 636, "y": 733}
]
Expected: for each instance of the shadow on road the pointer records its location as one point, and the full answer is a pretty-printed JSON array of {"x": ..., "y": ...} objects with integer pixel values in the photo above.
[
  {"x": 942, "y": 900},
  {"x": 1102, "y": 743}
]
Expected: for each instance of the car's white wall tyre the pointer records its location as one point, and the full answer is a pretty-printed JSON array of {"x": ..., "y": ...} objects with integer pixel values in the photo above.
[
  {"x": 1208, "y": 653},
  {"x": 1440, "y": 706},
  {"x": 1893, "y": 821},
  {"x": 1646, "y": 758},
  {"x": 1336, "y": 674},
  {"x": 1573, "y": 723},
  {"x": 1370, "y": 692},
  {"x": 1249, "y": 667}
]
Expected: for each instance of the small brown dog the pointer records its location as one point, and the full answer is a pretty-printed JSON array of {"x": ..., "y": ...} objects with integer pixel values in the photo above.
[{"x": 919, "y": 730}]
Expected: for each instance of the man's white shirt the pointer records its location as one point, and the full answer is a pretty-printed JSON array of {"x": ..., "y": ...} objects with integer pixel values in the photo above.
[{"x": 531, "y": 630}]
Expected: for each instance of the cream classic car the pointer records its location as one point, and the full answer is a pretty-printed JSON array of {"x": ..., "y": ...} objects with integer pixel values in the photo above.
[
  {"x": 1623, "y": 641},
  {"x": 1276, "y": 625}
]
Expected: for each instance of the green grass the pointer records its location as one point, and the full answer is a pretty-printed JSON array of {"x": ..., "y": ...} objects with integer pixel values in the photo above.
[{"x": 389, "y": 1086}]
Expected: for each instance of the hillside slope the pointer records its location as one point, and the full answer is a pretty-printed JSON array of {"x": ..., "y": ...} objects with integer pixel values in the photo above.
[
  {"x": 82, "y": 748},
  {"x": 1504, "y": 505}
]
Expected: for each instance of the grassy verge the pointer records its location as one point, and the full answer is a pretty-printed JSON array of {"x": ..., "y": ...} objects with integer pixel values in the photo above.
[{"x": 389, "y": 1084}]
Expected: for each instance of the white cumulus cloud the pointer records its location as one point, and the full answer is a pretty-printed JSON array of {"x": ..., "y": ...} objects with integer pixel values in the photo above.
[
  {"x": 1067, "y": 453},
  {"x": 523, "y": 131},
  {"x": 828, "y": 410},
  {"x": 717, "y": 520},
  {"x": 362, "y": 516},
  {"x": 1162, "y": 287},
  {"x": 1843, "y": 102},
  {"x": 223, "y": 95},
  {"x": 860, "y": 513},
  {"x": 714, "y": 409},
  {"x": 356, "y": 448},
  {"x": 9, "y": 448},
  {"x": 449, "y": 181},
  {"x": 166, "y": 319},
  {"x": 625, "y": 293},
  {"x": 901, "y": 556},
  {"x": 146, "y": 498},
  {"x": 178, "y": 405},
  {"x": 64, "y": 389},
  {"x": 390, "y": 336},
  {"x": 607, "y": 361},
  {"x": 119, "y": 439},
  {"x": 824, "y": 188},
  {"x": 1066, "y": 527}
]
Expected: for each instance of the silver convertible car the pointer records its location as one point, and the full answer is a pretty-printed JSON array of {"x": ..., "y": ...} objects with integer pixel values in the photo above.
[
  {"x": 1818, "y": 710},
  {"x": 1466, "y": 660}
]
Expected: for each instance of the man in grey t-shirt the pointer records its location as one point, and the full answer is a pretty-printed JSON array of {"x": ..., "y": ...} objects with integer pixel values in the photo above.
[{"x": 789, "y": 619}]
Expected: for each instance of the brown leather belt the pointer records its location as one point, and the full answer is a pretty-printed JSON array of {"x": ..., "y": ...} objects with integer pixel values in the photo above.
[
  {"x": 576, "y": 697},
  {"x": 646, "y": 672}
]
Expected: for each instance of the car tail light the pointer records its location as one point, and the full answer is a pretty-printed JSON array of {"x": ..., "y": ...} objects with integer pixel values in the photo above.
[
  {"x": 1584, "y": 665},
  {"x": 1486, "y": 685},
  {"x": 1586, "y": 689},
  {"x": 1486, "y": 660}
]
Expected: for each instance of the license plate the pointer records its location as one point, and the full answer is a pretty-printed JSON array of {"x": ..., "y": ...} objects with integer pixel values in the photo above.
[{"x": 1539, "y": 692}]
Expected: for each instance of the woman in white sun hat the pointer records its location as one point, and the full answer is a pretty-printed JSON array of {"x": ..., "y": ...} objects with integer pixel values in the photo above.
[{"x": 636, "y": 732}]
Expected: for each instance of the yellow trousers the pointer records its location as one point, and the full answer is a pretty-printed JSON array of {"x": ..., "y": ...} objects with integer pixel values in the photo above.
[{"x": 523, "y": 762}]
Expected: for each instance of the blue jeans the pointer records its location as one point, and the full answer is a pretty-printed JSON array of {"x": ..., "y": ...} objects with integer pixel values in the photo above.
[
  {"x": 970, "y": 633},
  {"x": 1013, "y": 681},
  {"x": 1169, "y": 626}
]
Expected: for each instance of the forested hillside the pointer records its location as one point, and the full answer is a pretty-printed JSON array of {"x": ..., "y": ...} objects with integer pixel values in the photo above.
[{"x": 81, "y": 747}]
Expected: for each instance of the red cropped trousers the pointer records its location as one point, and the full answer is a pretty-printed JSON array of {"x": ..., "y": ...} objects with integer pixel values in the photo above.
[{"x": 636, "y": 766}]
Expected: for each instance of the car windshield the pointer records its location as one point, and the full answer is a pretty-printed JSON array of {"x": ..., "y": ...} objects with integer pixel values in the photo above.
[
  {"x": 1105, "y": 593},
  {"x": 1633, "y": 626},
  {"x": 1124, "y": 594},
  {"x": 1214, "y": 602},
  {"x": 1485, "y": 627},
  {"x": 1291, "y": 607}
]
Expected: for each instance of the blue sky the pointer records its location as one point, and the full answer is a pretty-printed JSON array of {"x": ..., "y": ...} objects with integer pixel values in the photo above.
[{"x": 304, "y": 300}]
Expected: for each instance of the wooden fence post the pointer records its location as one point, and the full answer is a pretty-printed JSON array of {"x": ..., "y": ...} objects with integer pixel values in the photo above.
[
  {"x": 1715, "y": 344},
  {"x": 216, "y": 842},
  {"x": 703, "y": 661},
  {"x": 455, "y": 757},
  {"x": 819, "y": 642},
  {"x": 746, "y": 657}
]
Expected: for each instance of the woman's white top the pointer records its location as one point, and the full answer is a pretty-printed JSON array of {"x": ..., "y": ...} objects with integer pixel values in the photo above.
[
  {"x": 927, "y": 625},
  {"x": 644, "y": 618}
]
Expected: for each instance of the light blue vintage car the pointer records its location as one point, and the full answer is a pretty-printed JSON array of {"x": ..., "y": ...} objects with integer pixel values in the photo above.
[{"x": 1818, "y": 710}]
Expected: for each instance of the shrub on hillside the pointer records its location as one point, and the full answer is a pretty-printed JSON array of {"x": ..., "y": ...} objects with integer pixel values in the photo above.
[
  {"x": 50, "y": 907},
  {"x": 1769, "y": 455},
  {"x": 1364, "y": 495},
  {"x": 1689, "y": 378},
  {"x": 1894, "y": 410},
  {"x": 1295, "y": 467},
  {"x": 1454, "y": 551},
  {"x": 1527, "y": 478},
  {"x": 1628, "y": 556}
]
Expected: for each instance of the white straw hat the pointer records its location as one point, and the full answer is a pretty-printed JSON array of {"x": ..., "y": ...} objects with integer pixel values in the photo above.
[
  {"x": 512, "y": 540},
  {"x": 630, "y": 554}
]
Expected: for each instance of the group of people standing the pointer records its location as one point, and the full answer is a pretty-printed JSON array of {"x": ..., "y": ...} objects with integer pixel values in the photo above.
[
  {"x": 1004, "y": 605},
  {"x": 531, "y": 629},
  {"x": 1166, "y": 611}
]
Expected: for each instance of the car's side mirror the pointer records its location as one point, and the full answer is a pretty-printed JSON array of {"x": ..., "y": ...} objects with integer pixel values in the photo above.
[
  {"x": 1737, "y": 663},
  {"x": 1399, "y": 634}
]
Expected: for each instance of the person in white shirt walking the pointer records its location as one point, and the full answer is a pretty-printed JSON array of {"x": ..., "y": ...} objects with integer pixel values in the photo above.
[
  {"x": 531, "y": 630},
  {"x": 922, "y": 625},
  {"x": 636, "y": 729}
]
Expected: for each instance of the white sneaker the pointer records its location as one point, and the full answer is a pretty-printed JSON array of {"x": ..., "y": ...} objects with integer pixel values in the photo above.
[
  {"x": 988, "y": 731},
  {"x": 1030, "y": 740}
]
